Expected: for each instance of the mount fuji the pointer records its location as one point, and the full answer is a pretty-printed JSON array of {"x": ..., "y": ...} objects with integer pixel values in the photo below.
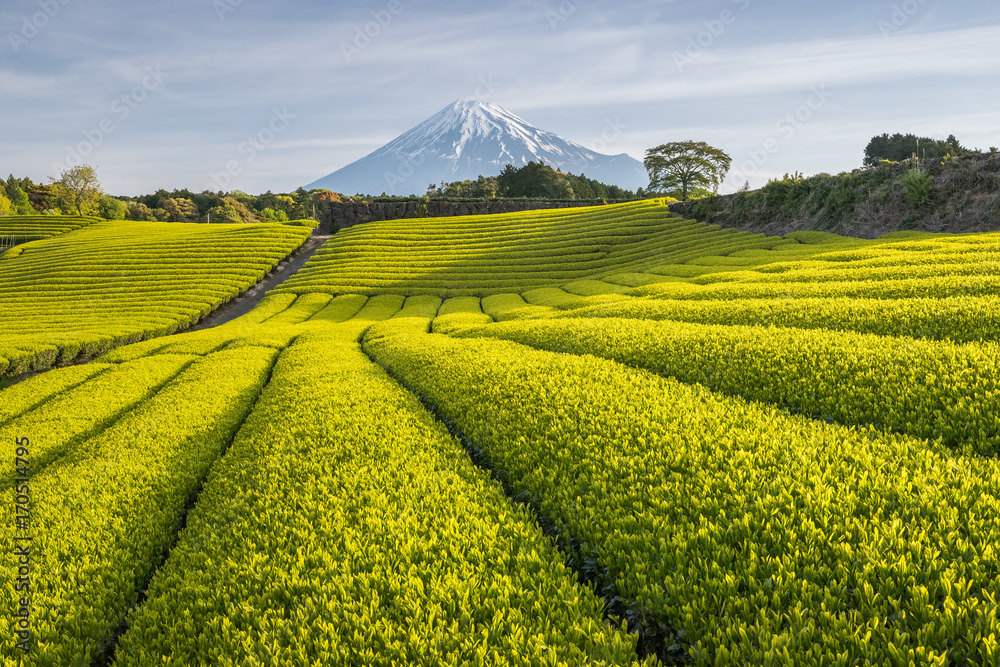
[{"x": 469, "y": 139}]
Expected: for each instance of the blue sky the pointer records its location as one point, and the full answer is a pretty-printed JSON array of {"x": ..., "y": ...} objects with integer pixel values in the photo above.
[{"x": 262, "y": 94}]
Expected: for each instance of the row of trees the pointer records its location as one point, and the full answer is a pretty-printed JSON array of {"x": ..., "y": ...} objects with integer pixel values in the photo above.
[
  {"x": 683, "y": 170},
  {"x": 78, "y": 191},
  {"x": 901, "y": 147},
  {"x": 691, "y": 170},
  {"x": 232, "y": 207},
  {"x": 535, "y": 180}
]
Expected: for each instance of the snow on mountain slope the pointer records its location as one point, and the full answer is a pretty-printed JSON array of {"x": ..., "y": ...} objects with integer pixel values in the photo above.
[{"x": 468, "y": 139}]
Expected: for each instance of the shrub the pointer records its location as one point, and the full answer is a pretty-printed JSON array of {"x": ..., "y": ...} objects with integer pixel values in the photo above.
[{"x": 918, "y": 187}]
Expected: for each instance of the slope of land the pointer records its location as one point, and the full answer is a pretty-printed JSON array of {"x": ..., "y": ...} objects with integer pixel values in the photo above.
[
  {"x": 247, "y": 301},
  {"x": 482, "y": 255},
  {"x": 78, "y": 294},
  {"x": 712, "y": 447},
  {"x": 955, "y": 195},
  {"x": 15, "y": 230}
]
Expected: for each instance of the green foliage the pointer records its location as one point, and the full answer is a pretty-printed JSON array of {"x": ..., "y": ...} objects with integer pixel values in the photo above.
[
  {"x": 146, "y": 467},
  {"x": 15, "y": 230},
  {"x": 25, "y": 396},
  {"x": 779, "y": 366},
  {"x": 232, "y": 211},
  {"x": 421, "y": 211},
  {"x": 350, "y": 493},
  {"x": 686, "y": 169},
  {"x": 902, "y": 147},
  {"x": 140, "y": 212},
  {"x": 535, "y": 180},
  {"x": 347, "y": 525},
  {"x": 828, "y": 200},
  {"x": 20, "y": 202},
  {"x": 497, "y": 254},
  {"x": 919, "y": 187},
  {"x": 485, "y": 187},
  {"x": 270, "y": 215},
  {"x": 715, "y": 519},
  {"x": 113, "y": 209},
  {"x": 311, "y": 224},
  {"x": 179, "y": 209},
  {"x": 75, "y": 295},
  {"x": 956, "y": 318},
  {"x": 80, "y": 189},
  {"x": 74, "y": 413}
]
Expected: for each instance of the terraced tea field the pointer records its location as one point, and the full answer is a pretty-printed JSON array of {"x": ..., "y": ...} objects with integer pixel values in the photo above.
[
  {"x": 25, "y": 228},
  {"x": 589, "y": 437},
  {"x": 91, "y": 286}
]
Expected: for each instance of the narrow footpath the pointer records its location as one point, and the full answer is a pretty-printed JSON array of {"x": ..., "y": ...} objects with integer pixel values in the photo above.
[{"x": 247, "y": 301}]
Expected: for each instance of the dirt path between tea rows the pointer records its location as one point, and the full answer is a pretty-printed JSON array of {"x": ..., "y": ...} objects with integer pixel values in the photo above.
[{"x": 247, "y": 301}]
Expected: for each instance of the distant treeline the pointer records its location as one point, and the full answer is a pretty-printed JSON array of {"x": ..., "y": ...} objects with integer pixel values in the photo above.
[
  {"x": 952, "y": 194},
  {"x": 901, "y": 147},
  {"x": 22, "y": 196},
  {"x": 534, "y": 180}
]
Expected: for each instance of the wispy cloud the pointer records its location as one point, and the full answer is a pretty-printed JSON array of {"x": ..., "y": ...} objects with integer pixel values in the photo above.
[{"x": 606, "y": 60}]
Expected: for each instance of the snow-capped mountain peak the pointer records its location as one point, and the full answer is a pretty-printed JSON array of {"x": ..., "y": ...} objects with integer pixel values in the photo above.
[{"x": 471, "y": 138}]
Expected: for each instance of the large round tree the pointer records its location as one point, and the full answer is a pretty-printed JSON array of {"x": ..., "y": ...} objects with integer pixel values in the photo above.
[
  {"x": 686, "y": 169},
  {"x": 80, "y": 189}
]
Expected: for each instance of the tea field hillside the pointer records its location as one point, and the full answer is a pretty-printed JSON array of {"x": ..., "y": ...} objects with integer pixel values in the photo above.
[
  {"x": 24, "y": 228},
  {"x": 83, "y": 286},
  {"x": 600, "y": 436}
]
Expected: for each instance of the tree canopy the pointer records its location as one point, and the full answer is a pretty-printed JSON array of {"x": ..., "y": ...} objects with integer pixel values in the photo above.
[
  {"x": 62, "y": 197},
  {"x": 686, "y": 169},
  {"x": 899, "y": 147},
  {"x": 16, "y": 193},
  {"x": 80, "y": 188},
  {"x": 535, "y": 180}
]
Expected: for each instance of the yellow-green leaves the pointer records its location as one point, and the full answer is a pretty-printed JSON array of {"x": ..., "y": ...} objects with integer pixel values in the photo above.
[
  {"x": 104, "y": 515},
  {"x": 345, "y": 526},
  {"x": 747, "y": 536},
  {"x": 929, "y": 389},
  {"x": 74, "y": 296}
]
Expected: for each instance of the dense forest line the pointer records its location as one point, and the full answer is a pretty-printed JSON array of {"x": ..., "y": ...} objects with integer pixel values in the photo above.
[
  {"x": 22, "y": 196},
  {"x": 78, "y": 192},
  {"x": 535, "y": 180}
]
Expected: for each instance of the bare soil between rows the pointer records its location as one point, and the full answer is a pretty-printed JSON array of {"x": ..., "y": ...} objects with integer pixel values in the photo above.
[
  {"x": 247, "y": 301},
  {"x": 238, "y": 307}
]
